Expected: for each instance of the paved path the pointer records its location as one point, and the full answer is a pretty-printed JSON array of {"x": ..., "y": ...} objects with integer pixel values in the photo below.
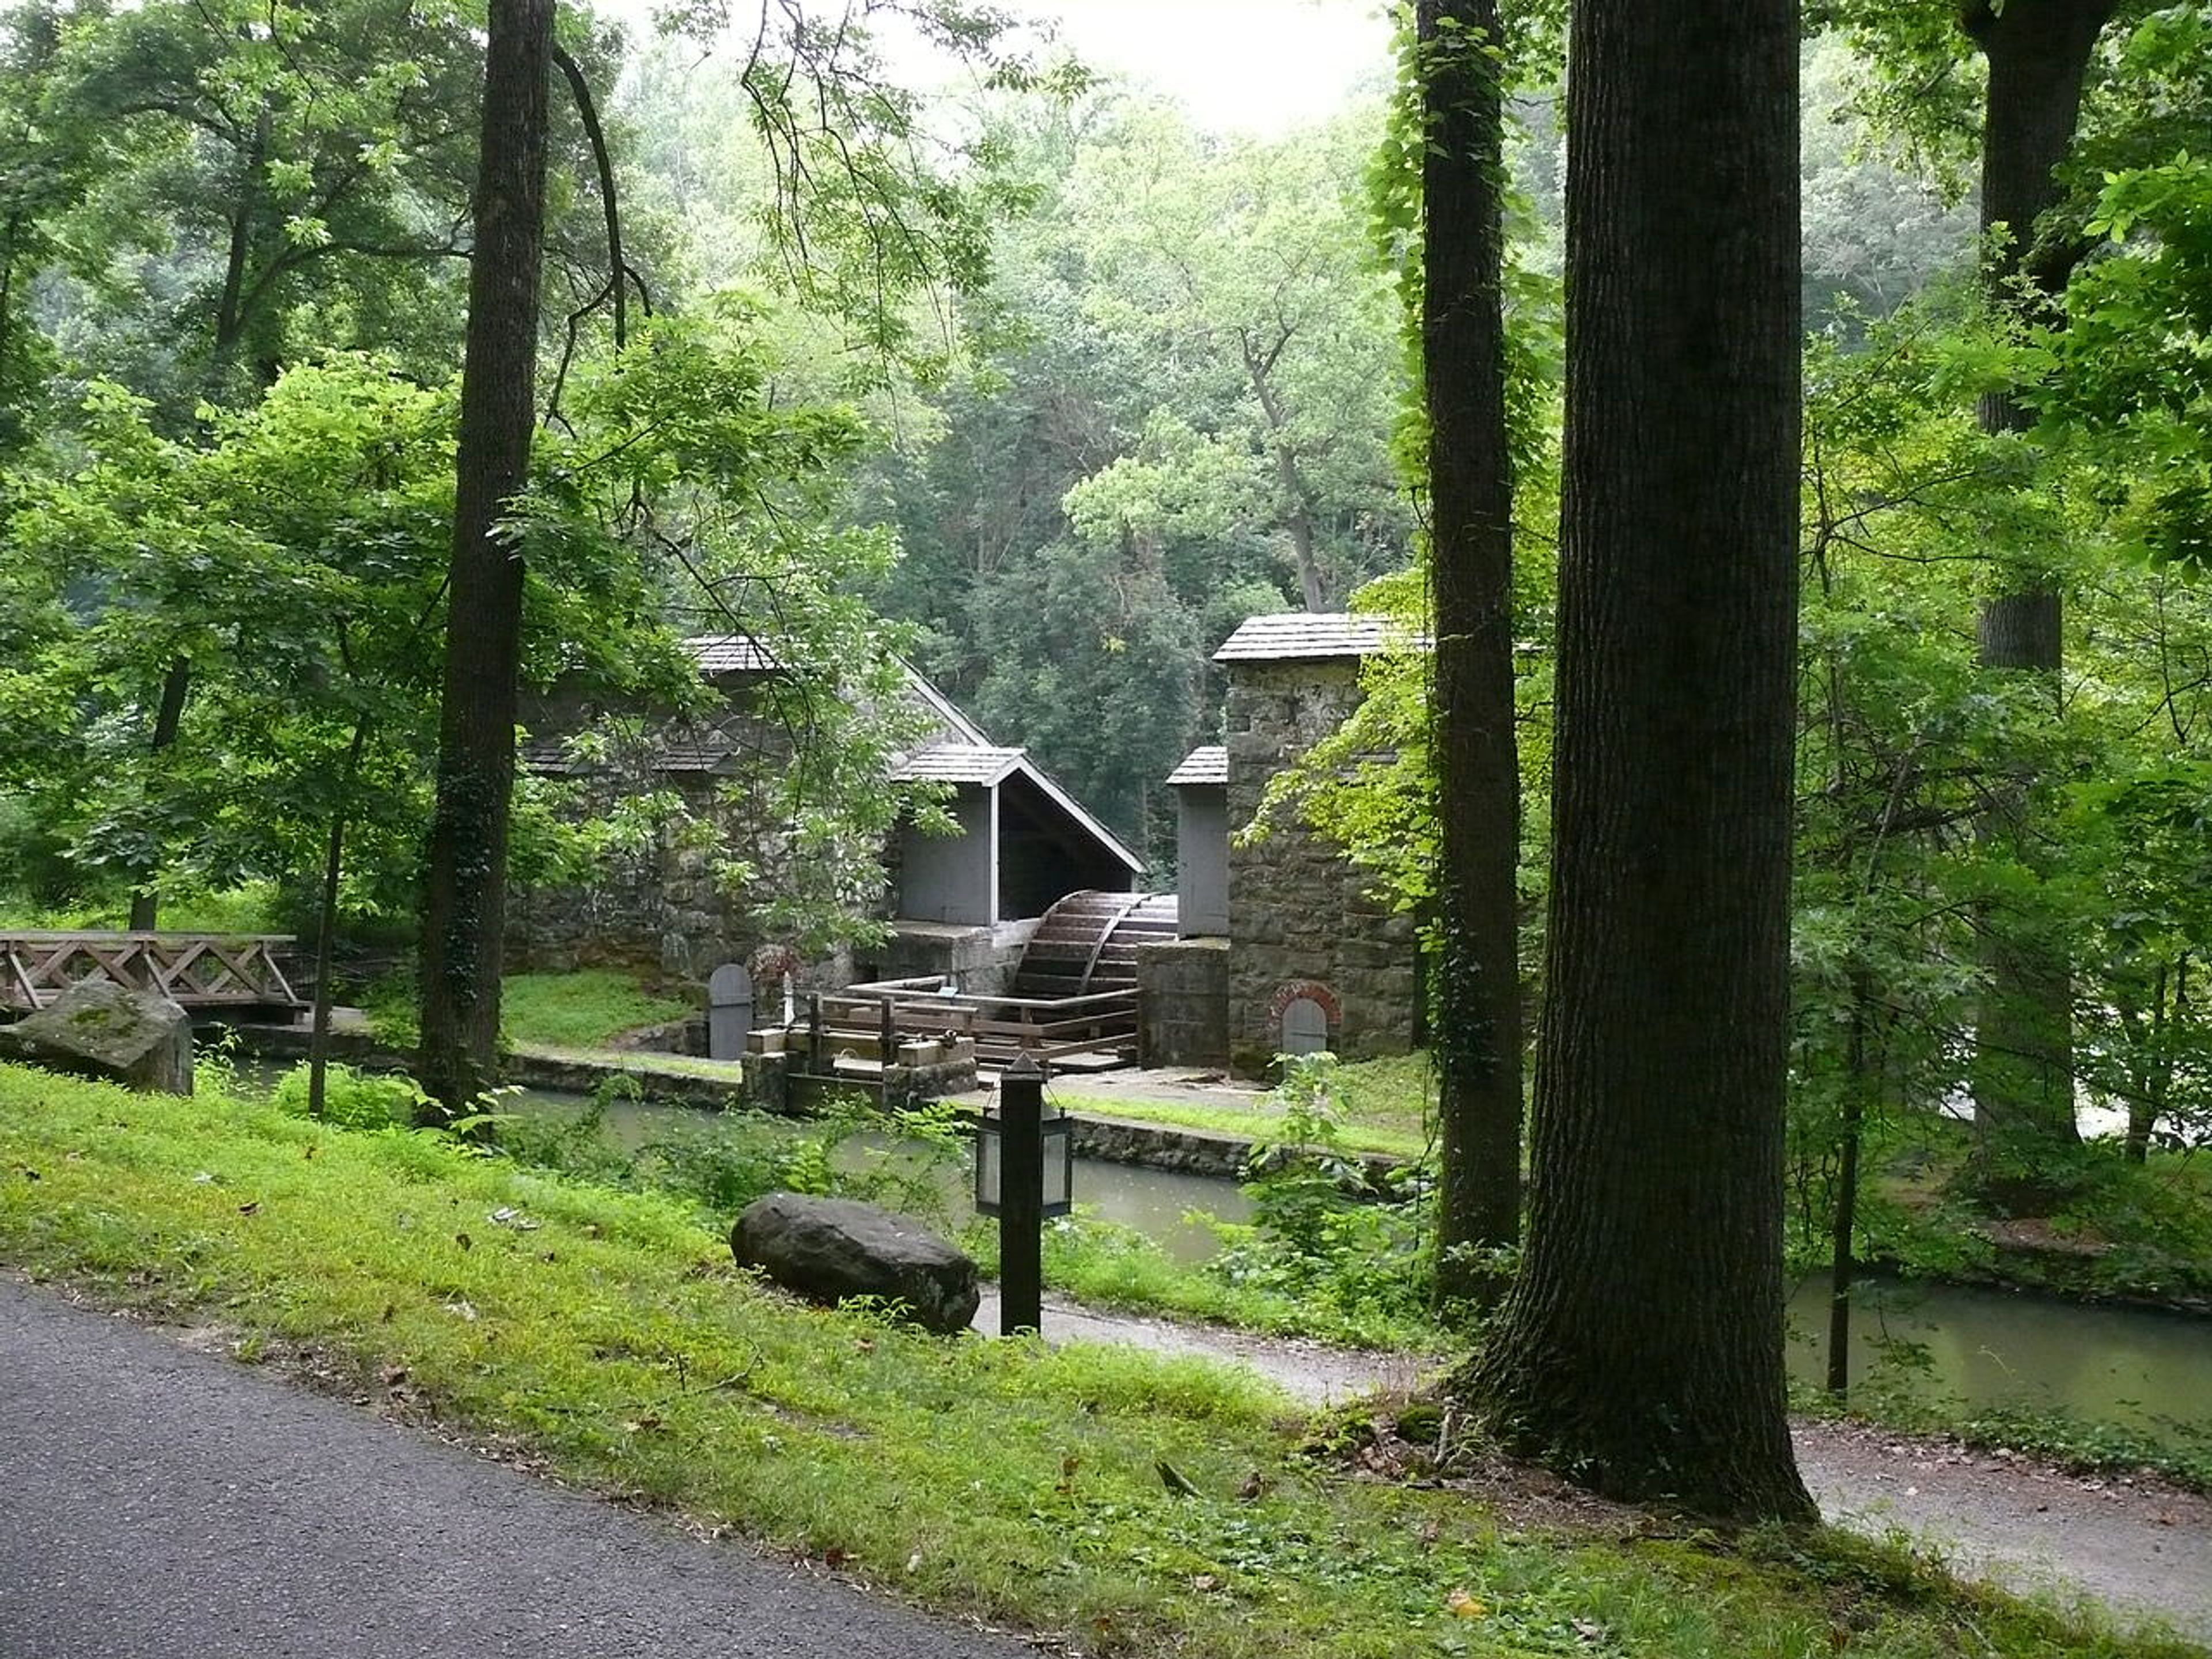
[
  {"x": 160, "y": 1503},
  {"x": 2142, "y": 1550}
]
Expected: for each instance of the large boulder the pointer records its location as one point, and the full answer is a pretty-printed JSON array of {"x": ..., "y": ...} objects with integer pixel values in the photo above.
[
  {"x": 830, "y": 1250},
  {"x": 99, "y": 1028}
]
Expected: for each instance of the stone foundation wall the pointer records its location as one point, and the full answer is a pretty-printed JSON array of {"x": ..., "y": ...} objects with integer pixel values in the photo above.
[
  {"x": 1300, "y": 919},
  {"x": 1182, "y": 1003},
  {"x": 661, "y": 908}
]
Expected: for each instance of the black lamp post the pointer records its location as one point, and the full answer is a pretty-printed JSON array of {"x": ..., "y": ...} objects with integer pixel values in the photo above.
[{"x": 1024, "y": 1166}]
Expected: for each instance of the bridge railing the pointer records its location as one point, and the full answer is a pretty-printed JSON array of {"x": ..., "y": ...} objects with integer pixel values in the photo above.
[
  {"x": 196, "y": 970},
  {"x": 885, "y": 1012}
]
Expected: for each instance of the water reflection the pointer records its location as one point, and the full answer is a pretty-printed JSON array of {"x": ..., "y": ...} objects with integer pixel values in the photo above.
[{"x": 1993, "y": 1347}]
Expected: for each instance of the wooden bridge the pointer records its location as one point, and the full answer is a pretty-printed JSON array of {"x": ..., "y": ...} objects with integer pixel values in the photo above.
[
  {"x": 226, "y": 972},
  {"x": 1073, "y": 1001},
  {"x": 865, "y": 1026}
]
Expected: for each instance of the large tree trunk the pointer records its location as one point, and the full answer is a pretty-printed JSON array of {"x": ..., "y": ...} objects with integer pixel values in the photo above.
[
  {"x": 1641, "y": 1350},
  {"x": 466, "y": 881},
  {"x": 1478, "y": 1037},
  {"x": 2037, "y": 53}
]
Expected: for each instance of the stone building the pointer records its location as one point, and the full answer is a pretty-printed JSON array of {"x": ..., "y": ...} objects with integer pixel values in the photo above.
[
  {"x": 1282, "y": 949},
  {"x": 964, "y": 904}
]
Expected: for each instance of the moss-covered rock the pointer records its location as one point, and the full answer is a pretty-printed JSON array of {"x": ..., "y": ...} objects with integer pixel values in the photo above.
[{"x": 102, "y": 1030}]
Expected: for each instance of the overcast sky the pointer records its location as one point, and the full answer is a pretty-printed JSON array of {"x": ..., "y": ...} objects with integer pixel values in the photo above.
[
  {"x": 1243, "y": 65},
  {"x": 1256, "y": 66}
]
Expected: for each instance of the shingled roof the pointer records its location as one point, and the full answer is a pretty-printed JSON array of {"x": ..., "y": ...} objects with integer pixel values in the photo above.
[
  {"x": 1307, "y": 635},
  {"x": 731, "y": 654},
  {"x": 1208, "y": 763},
  {"x": 988, "y": 768},
  {"x": 957, "y": 762}
]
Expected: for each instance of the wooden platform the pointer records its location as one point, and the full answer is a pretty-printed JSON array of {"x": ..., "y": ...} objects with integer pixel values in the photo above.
[{"x": 200, "y": 972}]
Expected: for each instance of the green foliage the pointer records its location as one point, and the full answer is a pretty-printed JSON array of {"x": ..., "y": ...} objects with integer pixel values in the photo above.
[
  {"x": 684, "y": 496},
  {"x": 251, "y": 182},
  {"x": 353, "y": 1099},
  {"x": 2129, "y": 381},
  {"x": 291, "y": 561},
  {"x": 1183, "y": 408},
  {"x": 1320, "y": 1232}
]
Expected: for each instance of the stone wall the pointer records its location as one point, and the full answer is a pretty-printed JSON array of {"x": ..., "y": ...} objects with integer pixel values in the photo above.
[
  {"x": 1182, "y": 1002},
  {"x": 1300, "y": 919},
  {"x": 657, "y": 906}
]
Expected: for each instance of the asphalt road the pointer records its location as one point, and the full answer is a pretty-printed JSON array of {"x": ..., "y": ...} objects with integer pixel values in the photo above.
[{"x": 159, "y": 1502}]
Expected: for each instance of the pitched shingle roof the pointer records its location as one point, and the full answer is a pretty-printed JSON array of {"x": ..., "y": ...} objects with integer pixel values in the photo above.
[
  {"x": 988, "y": 768},
  {"x": 731, "y": 654},
  {"x": 1208, "y": 763},
  {"x": 1305, "y": 635},
  {"x": 957, "y": 762}
]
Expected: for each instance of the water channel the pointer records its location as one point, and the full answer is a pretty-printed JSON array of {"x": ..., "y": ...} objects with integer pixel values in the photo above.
[{"x": 2142, "y": 1369}]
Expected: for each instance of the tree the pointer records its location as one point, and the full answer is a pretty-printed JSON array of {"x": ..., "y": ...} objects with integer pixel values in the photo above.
[
  {"x": 465, "y": 883},
  {"x": 41, "y": 176},
  {"x": 1470, "y": 491},
  {"x": 1641, "y": 1348},
  {"x": 2043, "y": 61},
  {"x": 2037, "y": 53},
  {"x": 1234, "y": 277},
  {"x": 309, "y": 519},
  {"x": 259, "y": 168}
]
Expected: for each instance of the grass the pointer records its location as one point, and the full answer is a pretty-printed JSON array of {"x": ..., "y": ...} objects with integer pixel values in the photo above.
[
  {"x": 999, "y": 1480},
  {"x": 253, "y": 908},
  {"x": 582, "y": 1010},
  {"x": 1102, "y": 1264},
  {"x": 1386, "y": 1106},
  {"x": 640, "y": 1060},
  {"x": 1256, "y": 1125}
]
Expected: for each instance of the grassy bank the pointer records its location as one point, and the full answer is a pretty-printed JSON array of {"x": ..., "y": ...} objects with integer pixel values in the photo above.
[
  {"x": 583, "y": 1011},
  {"x": 1262, "y": 1125},
  {"x": 608, "y": 1331}
]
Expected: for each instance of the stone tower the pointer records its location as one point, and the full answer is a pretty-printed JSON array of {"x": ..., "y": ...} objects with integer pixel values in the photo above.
[{"x": 1311, "y": 961}]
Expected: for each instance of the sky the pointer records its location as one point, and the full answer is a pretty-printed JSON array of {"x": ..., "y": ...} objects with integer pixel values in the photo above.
[
  {"x": 1254, "y": 66},
  {"x": 1259, "y": 67}
]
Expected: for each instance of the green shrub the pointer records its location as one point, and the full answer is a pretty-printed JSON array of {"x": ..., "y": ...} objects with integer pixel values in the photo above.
[
  {"x": 353, "y": 1099},
  {"x": 736, "y": 1157},
  {"x": 1320, "y": 1232}
]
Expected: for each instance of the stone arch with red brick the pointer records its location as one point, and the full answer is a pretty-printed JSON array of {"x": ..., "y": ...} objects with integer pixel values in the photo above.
[{"x": 1313, "y": 991}]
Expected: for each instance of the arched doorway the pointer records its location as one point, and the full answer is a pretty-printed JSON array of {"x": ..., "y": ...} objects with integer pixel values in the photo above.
[{"x": 1305, "y": 1027}]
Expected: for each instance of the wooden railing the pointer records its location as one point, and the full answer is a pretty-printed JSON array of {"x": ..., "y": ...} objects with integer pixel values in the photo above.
[
  {"x": 878, "y": 1018},
  {"x": 195, "y": 971}
]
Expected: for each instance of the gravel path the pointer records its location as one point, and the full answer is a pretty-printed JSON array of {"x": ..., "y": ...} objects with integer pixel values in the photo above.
[
  {"x": 164, "y": 1503},
  {"x": 2140, "y": 1548}
]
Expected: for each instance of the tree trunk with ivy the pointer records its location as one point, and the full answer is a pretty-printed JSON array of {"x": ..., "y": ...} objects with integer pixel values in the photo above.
[
  {"x": 1477, "y": 1042},
  {"x": 1641, "y": 1349},
  {"x": 465, "y": 885}
]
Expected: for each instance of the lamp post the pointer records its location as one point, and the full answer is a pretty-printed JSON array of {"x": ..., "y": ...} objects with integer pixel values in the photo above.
[{"x": 1023, "y": 1166}]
